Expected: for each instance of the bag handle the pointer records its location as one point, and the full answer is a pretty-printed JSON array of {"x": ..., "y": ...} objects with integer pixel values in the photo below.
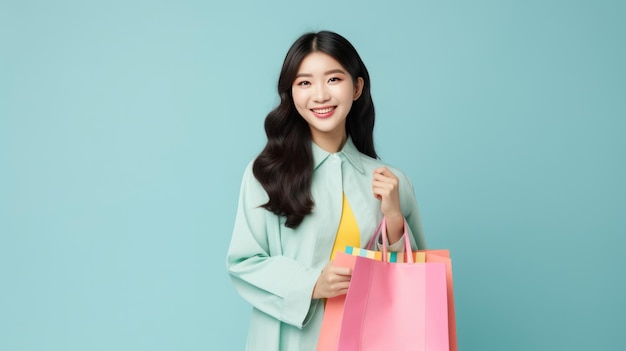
[
  {"x": 407, "y": 242},
  {"x": 375, "y": 236}
]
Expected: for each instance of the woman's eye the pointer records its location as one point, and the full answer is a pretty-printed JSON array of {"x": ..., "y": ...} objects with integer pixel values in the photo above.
[
  {"x": 334, "y": 80},
  {"x": 304, "y": 83}
]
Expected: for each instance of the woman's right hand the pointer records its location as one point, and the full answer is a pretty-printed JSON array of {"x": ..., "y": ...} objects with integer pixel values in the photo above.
[{"x": 333, "y": 281}]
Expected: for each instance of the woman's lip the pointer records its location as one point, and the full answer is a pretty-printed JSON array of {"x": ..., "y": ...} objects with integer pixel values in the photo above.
[{"x": 324, "y": 112}]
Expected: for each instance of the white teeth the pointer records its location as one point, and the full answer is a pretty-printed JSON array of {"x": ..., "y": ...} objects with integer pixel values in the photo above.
[{"x": 325, "y": 110}]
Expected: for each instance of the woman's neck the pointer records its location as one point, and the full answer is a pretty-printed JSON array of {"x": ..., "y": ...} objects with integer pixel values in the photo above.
[{"x": 330, "y": 143}]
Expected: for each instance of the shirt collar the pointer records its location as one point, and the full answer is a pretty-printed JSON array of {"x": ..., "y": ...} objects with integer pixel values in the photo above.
[{"x": 349, "y": 150}]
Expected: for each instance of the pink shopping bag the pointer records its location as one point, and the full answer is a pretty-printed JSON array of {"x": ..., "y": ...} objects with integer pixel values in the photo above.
[
  {"x": 397, "y": 306},
  {"x": 333, "y": 312}
]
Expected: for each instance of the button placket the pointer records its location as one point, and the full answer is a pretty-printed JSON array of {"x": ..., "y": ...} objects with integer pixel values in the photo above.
[{"x": 335, "y": 204}]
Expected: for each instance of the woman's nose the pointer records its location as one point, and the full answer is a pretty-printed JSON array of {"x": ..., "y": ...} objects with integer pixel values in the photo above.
[{"x": 321, "y": 93}]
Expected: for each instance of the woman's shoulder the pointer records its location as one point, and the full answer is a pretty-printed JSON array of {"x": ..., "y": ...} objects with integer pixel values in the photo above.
[
  {"x": 248, "y": 172},
  {"x": 250, "y": 184}
]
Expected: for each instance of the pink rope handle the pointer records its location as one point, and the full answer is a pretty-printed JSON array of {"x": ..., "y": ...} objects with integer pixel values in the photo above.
[
  {"x": 407, "y": 242},
  {"x": 371, "y": 243}
]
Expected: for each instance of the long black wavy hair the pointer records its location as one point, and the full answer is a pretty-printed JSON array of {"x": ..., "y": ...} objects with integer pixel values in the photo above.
[{"x": 285, "y": 166}]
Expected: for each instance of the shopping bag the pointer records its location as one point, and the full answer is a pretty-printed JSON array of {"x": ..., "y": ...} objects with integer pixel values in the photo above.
[
  {"x": 333, "y": 312},
  {"x": 348, "y": 259},
  {"x": 396, "y": 306}
]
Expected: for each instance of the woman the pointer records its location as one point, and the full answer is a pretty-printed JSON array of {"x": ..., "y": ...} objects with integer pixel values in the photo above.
[{"x": 316, "y": 187}]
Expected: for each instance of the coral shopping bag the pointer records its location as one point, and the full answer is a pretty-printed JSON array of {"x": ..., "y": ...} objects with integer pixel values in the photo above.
[{"x": 331, "y": 324}]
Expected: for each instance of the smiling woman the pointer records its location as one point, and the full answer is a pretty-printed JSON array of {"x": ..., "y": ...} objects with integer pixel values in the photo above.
[
  {"x": 316, "y": 187},
  {"x": 323, "y": 93}
]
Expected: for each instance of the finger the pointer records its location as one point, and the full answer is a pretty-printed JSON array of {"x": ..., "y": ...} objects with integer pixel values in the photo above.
[
  {"x": 378, "y": 193},
  {"x": 343, "y": 271},
  {"x": 382, "y": 191},
  {"x": 340, "y": 286},
  {"x": 379, "y": 177},
  {"x": 339, "y": 293},
  {"x": 386, "y": 181},
  {"x": 385, "y": 178},
  {"x": 343, "y": 286},
  {"x": 381, "y": 170},
  {"x": 384, "y": 171},
  {"x": 383, "y": 185}
]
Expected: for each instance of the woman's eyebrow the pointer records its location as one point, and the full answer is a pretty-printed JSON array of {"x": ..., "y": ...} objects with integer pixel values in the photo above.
[{"x": 337, "y": 70}]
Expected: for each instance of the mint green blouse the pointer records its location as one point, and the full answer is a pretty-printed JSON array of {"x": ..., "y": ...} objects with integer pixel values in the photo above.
[{"x": 275, "y": 268}]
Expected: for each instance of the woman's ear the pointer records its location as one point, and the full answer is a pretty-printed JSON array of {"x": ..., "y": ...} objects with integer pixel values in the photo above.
[{"x": 358, "y": 88}]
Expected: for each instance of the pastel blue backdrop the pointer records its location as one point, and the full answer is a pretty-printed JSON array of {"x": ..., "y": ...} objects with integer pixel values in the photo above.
[{"x": 125, "y": 127}]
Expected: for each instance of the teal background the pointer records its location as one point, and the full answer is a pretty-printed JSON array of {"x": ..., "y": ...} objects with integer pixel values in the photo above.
[{"x": 125, "y": 127}]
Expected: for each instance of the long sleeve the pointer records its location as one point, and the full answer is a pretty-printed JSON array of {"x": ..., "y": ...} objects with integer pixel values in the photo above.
[
  {"x": 411, "y": 213},
  {"x": 274, "y": 284}
]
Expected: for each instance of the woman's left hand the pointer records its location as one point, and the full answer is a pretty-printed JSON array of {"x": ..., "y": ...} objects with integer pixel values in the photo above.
[{"x": 385, "y": 186}]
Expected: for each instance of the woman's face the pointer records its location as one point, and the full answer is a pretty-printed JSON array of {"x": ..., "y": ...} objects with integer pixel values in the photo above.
[{"x": 323, "y": 93}]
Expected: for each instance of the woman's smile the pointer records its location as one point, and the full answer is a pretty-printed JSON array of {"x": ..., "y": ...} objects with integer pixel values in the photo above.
[{"x": 324, "y": 112}]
